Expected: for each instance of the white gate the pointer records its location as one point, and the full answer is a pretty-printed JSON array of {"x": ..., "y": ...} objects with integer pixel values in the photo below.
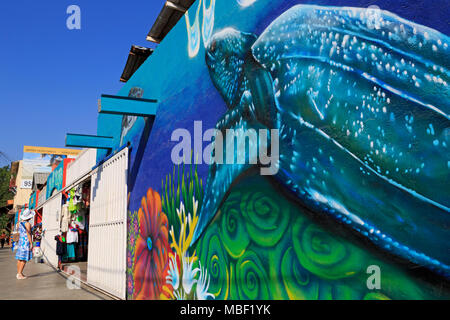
[
  {"x": 51, "y": 214},
  {"x": 108, "y": 226}
]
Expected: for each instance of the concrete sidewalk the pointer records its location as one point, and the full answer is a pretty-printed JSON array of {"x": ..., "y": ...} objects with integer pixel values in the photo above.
[{"x": 43, "y": 282}]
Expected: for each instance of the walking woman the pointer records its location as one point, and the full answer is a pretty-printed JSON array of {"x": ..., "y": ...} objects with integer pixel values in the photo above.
[{"x": 25, "y": 244}]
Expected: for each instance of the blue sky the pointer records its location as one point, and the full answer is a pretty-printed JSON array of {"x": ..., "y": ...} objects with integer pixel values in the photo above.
[{"x": 51, "y": 77}]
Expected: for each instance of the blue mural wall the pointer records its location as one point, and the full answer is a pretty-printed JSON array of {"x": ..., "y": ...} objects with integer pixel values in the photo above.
[{"x": 358, "y": 91}]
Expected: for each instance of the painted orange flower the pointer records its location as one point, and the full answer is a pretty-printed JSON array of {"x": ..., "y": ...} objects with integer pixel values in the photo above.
[{"x": 152, "y": 249}]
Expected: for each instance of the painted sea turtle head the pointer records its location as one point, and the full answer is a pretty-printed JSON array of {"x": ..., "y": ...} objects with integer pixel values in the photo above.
[{"x": 225, "y": 58}]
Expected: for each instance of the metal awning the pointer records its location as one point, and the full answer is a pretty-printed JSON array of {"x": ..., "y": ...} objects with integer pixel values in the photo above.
[
  {"x": 136, "y": 58},
  {"x": 40, "y": 178},
  {"x": 170, "y": 14}
]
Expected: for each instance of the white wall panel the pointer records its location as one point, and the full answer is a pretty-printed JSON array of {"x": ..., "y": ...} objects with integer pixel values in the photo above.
[
  {"x": 108, "y": 226},
  {"x": 82, "y": 165},
  {"x": 51, "y": 216}
]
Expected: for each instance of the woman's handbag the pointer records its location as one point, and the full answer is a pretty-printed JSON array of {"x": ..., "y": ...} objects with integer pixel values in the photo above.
[
  {"x": 37, "y": 252},
  {"x": 15, "y": 236}
]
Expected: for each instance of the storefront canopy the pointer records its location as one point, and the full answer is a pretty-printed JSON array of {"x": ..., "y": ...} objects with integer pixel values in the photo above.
[
  {"x": 170, "y": 14},
  {"x": 39, "y": 178}
]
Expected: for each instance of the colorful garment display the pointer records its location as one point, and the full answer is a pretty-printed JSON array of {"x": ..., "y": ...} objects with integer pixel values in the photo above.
[{"x": 74, "y": 223}]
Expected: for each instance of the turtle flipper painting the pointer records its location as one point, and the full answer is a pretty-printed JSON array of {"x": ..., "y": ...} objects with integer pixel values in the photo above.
[{"x": 363, "y": 114}]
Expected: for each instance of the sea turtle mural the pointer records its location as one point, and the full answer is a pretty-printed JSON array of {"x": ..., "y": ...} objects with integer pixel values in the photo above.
[{"x": 361, "y": 101}]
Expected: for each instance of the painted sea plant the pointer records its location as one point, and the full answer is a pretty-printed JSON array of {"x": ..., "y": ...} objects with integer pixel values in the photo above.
[
  {"x": 180, "y": 188},
  {"x": 186, "y": 277}
]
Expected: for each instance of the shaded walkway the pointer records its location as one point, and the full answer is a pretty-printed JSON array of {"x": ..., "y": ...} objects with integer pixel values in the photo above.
[{"x": 43, "y": 282}]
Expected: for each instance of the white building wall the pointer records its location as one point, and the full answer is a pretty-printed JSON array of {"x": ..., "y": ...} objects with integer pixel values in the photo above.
[
  {"x": 82, "y": 165},
  {"x": 51, "y": 215},
  {"x": 23, "y": 194}
]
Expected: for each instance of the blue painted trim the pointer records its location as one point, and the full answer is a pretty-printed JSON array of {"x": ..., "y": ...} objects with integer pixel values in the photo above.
[
  {"x": 88, "y": 141},
  {"x": 127, "y": 106}
]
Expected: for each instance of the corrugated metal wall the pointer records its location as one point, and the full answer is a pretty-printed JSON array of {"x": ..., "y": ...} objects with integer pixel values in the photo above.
[
  {"x": 108, "y": 226},
  {"x": 51, "y": 216},
  {"x": 42, "y": 197},
  {"x": 81, "y": 166}
]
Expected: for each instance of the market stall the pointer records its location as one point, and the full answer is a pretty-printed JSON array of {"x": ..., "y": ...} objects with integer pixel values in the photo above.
[{"x": 74, "y": 223}]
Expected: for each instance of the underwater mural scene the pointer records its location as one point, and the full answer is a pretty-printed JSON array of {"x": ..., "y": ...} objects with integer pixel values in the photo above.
[{"x": 347, "y": 197}]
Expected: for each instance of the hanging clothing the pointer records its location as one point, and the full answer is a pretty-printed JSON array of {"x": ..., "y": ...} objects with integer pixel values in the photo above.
[
  {"x": 82, "y": 245},
  {"x": 72, "y": 204},
  {"x": 86, "y": 194},
  {"x": 78, "y": 196},
  {"x": 23, "y": 246},
  {"x": 80, "y": 219},
  {"x": 72, "y": 234},
  {"x": 65, "y": 218},
  {"x": 60, "y": 247},
  {"x": 71, "y": 251},
  {"x": 86, "y": 219},
  {"x": 64, "y": 257},
  {"x": 80, "y": 222}
]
